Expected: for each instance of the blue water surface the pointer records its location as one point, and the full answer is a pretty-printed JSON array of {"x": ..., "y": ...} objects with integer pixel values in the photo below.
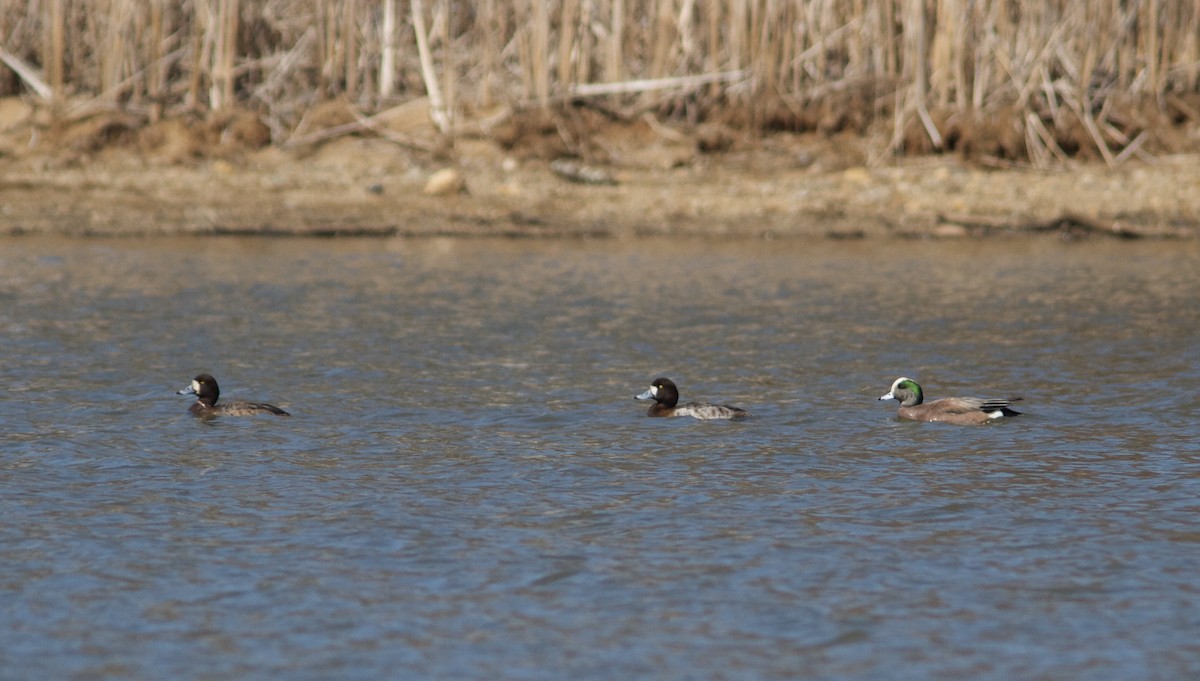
[{"x": 466, "y": 489}]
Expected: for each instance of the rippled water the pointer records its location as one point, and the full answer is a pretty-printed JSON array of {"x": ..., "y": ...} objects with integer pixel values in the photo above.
[{"x": 466, "y": 489}]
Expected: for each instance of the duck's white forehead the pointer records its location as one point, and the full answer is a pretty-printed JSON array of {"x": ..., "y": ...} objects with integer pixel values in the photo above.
[
  {"x": 195, "y": 385},
  {"x": 654, "y": 390},
  {"x": 898, "y": 381}
]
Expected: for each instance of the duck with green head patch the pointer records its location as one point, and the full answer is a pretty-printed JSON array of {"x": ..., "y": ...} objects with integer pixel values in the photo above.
[{"x": 956, "y": 410}]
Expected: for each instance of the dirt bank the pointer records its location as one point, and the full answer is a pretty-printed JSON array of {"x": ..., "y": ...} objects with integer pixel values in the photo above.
[{"x": 105, "y": 177}]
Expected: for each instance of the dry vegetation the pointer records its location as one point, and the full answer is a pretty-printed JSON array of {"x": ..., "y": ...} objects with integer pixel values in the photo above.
[
  {"x": 1008, "y": 81},
  {"x": 705, "y": 117}
]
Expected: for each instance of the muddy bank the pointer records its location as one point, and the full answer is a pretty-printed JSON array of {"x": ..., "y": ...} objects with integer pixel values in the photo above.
[{"x": 631, "y": 180}]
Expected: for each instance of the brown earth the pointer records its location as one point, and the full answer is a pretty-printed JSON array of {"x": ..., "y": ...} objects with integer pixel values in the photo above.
[{"x": 576, "y": 173}]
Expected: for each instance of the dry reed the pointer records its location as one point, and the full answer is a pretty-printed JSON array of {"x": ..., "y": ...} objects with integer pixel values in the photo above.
[{"x": 1060, "y": 77}]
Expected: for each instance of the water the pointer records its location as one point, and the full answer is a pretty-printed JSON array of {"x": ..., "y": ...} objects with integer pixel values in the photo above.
[{"x": 466, "y": 489}]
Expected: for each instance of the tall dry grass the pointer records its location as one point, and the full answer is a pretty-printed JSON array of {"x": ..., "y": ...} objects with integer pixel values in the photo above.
[{"x": 1057, "y": 76}]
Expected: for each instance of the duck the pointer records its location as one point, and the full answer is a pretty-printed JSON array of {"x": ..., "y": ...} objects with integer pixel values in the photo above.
[
  {"x": 205, "y": 388},
  {"x": 955, "y": 410},
  {"x": 666, "y": 397}
]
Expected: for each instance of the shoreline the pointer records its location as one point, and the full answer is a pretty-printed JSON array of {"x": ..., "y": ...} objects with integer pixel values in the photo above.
[{"x": 787, "y": 186}]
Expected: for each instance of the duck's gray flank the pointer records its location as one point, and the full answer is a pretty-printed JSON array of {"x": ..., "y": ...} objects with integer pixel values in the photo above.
[
  {"x": 207, "y": 392},
  {"x": 666, "y": 398}
]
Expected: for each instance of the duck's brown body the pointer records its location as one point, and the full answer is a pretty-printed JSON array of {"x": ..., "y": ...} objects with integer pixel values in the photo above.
[{"x": 965, "y": 411}]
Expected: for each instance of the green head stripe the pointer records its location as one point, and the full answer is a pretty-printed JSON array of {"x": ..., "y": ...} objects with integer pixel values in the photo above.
[{"x": 911, "y": 386}]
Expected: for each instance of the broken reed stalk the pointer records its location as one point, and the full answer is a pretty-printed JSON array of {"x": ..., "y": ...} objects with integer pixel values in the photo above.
[
  {"x": 27, "y": 74},
  {"x": 437, "y": 107},
  {"x": 651, "y": 84}
]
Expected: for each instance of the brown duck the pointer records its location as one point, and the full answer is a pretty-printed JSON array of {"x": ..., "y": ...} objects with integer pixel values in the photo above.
[{"x": 956, "y": 410}]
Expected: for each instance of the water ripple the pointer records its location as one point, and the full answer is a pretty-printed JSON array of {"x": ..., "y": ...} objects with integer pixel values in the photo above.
[{"x": 467, "y": 490}]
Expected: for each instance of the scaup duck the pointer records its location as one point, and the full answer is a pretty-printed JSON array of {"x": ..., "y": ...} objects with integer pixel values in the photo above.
[
  {"x": 666, "y": 396},
  {"x": 204, "y": 387},
  {"x": 956, "y": 410}
]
